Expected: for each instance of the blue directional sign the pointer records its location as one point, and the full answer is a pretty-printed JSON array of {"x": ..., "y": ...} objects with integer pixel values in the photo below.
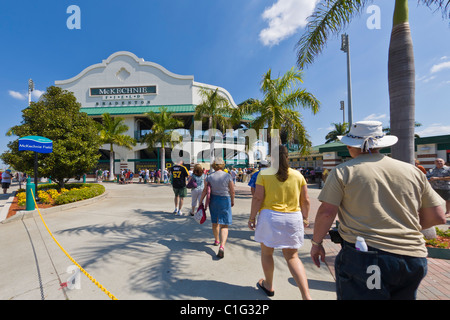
[{"x": 36, "y": 143}]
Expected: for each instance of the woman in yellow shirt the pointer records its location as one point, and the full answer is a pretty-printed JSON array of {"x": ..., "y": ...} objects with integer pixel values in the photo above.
[{"x": 281, "y": 196}]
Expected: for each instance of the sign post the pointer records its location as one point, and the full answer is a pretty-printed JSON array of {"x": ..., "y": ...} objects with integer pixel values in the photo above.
[{"x": 38, "y": 145}]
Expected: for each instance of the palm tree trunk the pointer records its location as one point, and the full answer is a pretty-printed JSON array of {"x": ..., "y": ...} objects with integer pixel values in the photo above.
[
  {"x": 163, "y": 161},
  {"x": 111, "y": 163},
  {"x": 401, "y": 77},
  {"x": 211, "y": 141}
]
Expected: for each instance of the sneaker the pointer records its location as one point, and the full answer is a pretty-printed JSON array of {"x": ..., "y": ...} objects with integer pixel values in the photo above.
[
  {"x": 180, "y": 213},
  {"x": 175, "y": 212}
]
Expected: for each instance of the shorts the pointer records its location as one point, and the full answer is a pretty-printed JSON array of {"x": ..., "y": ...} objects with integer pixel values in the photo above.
[
  {"x": 5, "y": 185},
  {"x": 180, "y": 192},
  {"x": 445, "y": 194}
]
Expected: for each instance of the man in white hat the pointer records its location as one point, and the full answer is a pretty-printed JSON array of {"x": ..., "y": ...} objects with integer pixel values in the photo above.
[{"x": 386, "y": 202}]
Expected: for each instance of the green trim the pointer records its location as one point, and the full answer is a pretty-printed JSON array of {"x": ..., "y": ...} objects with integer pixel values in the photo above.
[
  {"x": 331, "y": 147},
  {"x": 147, "y": 160},
  {"x": 137, "y": 110},
  {"x": 140, "y": 110},
  {"x": 443, "y": 146},
  {"x": 435, "y": 139}
]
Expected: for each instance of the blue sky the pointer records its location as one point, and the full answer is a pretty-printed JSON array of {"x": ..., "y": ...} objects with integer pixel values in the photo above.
[{"x": 228, "y": 43}]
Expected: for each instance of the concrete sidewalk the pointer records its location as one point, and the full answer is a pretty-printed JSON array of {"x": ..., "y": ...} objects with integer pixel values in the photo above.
[
  {"x": 7, "y": 199},
  {"x": 131, "y": 243}
]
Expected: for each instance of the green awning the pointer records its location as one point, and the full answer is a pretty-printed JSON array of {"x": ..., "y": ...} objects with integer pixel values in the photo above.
[{"x": 138, "y": 110}]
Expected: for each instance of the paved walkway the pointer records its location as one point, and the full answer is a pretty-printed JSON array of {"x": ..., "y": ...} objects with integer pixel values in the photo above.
[{"x": 130, "y": 242}]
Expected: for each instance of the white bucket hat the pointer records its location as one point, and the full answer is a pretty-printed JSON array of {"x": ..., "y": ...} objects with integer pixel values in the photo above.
[{"x": 367, "y": 135}]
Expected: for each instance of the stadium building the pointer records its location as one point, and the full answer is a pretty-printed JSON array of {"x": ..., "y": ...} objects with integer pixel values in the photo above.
[{"x": 126, "y": 86}]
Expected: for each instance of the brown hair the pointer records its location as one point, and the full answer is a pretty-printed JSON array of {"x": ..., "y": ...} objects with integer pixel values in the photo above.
[
  {"x": 218, "y": 164},
  {"x": 198, "y": 170},
  {"x": 283, "y": 163}
]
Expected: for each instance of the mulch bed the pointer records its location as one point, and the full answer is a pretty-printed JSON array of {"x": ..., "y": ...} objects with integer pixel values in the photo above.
[{"x": 14, "y": 208}]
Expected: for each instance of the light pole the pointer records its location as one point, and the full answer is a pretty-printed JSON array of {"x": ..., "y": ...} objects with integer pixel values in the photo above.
[
  {"x": 343, "y": 111},
  {"x": 30, "y": 89},
  {"x": 345, "y": 46}
]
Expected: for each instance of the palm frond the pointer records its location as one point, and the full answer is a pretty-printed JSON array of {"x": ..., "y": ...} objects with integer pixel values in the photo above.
[
  {"x": 163, "y": 126},
  {"x": 112, "y": 131},
  {"x": 443, "y": 5},
  {"x": 215, "y": 106},
  {"x": 328, "y": 18}
]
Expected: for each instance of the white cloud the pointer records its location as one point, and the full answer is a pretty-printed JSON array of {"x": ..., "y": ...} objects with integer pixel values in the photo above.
[
  {"x": 328, "y": 128},
  {"x": 23, "y": 96},
  {"x": 440, "y": 66},
  {"x": 17, "y": 95},
  {"x": 435, "y": 129},
  {"x": 429, "y": 79},
  {"x": 374, "y": 116},
  {"x": 37, "y": 93},
  {"x": 285, "y": 17}
]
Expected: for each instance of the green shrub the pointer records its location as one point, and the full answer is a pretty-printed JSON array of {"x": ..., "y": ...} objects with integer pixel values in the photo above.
[
  {"x": 79, "y": 191},
  {"x": 443, "y": 233}
]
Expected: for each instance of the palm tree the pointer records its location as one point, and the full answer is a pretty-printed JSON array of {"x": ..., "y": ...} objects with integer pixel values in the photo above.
[
  {"x": 218, "y": 111},
  {"x": 387, "y": 130},
  {"x": 278, "y": 109},
  {"x": 331, "y": 15},
  {"x": 111, "y": 131},
  {"x": 340, "y": 129},
  {"x": 161, "y": 131}
]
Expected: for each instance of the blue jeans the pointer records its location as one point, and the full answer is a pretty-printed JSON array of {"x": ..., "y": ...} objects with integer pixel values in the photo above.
[{"x": 377, "y": 274}]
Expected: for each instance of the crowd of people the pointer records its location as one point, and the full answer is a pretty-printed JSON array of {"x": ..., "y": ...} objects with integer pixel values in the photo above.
[{"x": 383, "y": 202}]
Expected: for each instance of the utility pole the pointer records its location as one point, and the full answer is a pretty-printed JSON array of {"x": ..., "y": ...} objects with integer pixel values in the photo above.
[
  {"x": 345, "y": 46},
  {"x": 30, "y": 89}
]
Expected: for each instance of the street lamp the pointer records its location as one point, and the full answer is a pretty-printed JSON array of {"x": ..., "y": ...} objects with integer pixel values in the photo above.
[
  {"x": 345, "y": 46},
  {"x": 343, "y": 111},
  {"x": 30, "y": 89}
]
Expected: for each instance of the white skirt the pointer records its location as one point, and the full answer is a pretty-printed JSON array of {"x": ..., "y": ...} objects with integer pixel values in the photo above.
[{"x": 280, "y": 230}]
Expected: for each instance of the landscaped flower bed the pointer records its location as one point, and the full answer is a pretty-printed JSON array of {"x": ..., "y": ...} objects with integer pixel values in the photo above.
[
  {"x": 440, "y": 247},
  {"x": 50, "y": 195}
]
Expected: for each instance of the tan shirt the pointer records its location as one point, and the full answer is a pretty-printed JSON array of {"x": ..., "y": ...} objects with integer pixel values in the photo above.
[{"x": 379, "y": 199}]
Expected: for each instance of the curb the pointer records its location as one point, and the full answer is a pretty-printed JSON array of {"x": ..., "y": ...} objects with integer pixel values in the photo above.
[
  {"x": 20, "y": 215},
  {"x": 4, "y": 211}
]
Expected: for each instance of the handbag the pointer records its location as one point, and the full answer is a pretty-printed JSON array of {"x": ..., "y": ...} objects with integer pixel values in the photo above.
[
  {"x": 192, "y": 184},
  {"x": 200, "y": 215}
]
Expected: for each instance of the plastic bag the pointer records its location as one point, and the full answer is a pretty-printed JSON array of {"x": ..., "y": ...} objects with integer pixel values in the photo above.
[{"x": 200, "y": 215}]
